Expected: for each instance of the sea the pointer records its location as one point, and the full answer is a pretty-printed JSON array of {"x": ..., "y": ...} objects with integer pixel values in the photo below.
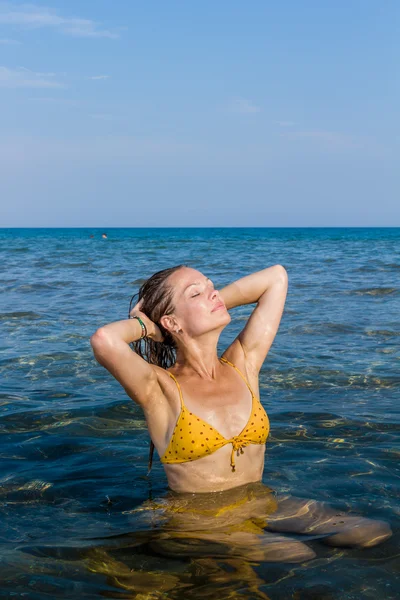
[{"x": 74, "y": 447}]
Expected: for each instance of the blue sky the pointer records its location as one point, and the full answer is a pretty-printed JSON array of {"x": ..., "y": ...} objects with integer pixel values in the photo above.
[{"x": 214, "y": 113}]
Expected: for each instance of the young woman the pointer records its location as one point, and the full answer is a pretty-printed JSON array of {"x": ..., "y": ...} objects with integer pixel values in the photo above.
[{"x": 205, "y": 417}]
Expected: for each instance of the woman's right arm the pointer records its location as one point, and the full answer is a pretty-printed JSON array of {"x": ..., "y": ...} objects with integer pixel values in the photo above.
[{"x": 111, "y": 349}]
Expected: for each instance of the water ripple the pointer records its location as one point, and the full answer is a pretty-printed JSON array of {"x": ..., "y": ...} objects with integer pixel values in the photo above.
[{"x": 74, "y": 447}]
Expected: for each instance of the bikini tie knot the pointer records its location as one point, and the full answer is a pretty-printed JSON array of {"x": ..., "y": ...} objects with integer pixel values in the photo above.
[{"x": 237, "y": 446}]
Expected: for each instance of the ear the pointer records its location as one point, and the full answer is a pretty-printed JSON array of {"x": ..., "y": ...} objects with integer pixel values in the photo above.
[{"x": 170, "y": 323}]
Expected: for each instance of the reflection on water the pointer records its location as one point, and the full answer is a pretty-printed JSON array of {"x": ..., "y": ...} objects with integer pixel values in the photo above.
[
  {"x": 79, "y": 518},
  {"x": 200, "y": 545}
]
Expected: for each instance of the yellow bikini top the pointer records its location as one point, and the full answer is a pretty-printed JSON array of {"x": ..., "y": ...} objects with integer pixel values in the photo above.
[{"x": 194, "y": 438}]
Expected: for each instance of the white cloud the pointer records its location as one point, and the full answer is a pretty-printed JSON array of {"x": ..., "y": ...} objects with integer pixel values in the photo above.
[
  {"x": 8, "y": 42},
  {"x": 33, "y": 16},
  {"x": 100, "y": 77},
  {"x": 285, "y": 123},
  {"x": 35, "y": 73},
  {"x": 24, "y": 78},
  {"x": 241, "y": 105}
]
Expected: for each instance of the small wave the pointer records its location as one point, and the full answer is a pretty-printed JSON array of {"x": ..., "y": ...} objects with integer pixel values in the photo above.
[
  {"x": 31, "y": 360},
  {"x": 314, "y": 378},
  {"x": 24, "y": 493},
  {"x": 365, "y": 269},
  {"x": 323, "y": 328},
  {"x": 380, "y": 291},
  {"x": 75, "y": 265},
  {"x": 62, "y": 284},
  {"x": 34, "y": 287},
  {"x": 29, "y": 315},
  {"x": 293, "y": 415},
  {"x": 383, "y": 332},
  {"x": 344, "y": 426},
  {"x": 41, "y": 262},
  {"x": 338, "y": 328}
]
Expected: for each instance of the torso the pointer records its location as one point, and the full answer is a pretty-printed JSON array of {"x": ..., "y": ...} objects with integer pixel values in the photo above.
[
  {"x": 213, "y": 473},
  {"x": 226, "y": 406}
]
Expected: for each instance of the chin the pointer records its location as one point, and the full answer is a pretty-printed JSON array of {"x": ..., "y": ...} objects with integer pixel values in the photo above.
[
  {"x": 214, "y": 322},
  {"x": 225, "y": 317}
]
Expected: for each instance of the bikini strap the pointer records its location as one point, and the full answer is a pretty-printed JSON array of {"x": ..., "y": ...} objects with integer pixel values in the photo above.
[
  {"x": 179, "y": 388},
  {"x": 240, "y": 373}
]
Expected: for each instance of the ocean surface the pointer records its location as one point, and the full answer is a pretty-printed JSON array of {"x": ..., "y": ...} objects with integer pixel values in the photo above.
[{"x": 74, "y": 447}]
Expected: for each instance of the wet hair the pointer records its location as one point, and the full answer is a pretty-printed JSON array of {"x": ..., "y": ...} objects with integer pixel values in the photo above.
[{"x": 157, "y": 302}]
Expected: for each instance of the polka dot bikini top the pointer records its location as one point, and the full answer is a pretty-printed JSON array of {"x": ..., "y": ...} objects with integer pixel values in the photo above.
[{"x": 194, "y": 438}]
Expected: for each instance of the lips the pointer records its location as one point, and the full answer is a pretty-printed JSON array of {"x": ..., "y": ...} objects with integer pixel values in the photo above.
[{"x": 218, "y": 306}]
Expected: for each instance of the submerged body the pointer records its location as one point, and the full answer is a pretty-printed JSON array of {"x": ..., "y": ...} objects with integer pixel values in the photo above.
[{"x": 251, "y": 522}]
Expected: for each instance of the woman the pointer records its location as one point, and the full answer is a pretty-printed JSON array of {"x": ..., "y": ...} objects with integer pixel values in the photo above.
[{"x": 205, "y": 418}]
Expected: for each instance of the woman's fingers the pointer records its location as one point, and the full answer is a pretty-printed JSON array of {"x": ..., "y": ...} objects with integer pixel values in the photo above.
[
  {"x": 158, "y": 336},
  {"x": 153, "y": 330}
]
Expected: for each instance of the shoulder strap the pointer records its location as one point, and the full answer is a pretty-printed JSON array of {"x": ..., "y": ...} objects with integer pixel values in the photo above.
[
  {"x": 179, "y": 388},
  {"x": 240, "y": 373}
]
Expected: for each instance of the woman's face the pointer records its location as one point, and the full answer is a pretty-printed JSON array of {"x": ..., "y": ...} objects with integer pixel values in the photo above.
[{"x": 199, "y": 307}]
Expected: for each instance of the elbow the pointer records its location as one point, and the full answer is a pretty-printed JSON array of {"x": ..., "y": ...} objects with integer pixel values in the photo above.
[
  {"x": 281, "y": 274},
  {"x": 98, "y": 340},
  {"x": 101, "y": 346}
]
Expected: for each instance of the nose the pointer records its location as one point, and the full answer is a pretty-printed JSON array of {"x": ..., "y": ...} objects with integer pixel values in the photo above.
[{"x": 214, "y": 294}]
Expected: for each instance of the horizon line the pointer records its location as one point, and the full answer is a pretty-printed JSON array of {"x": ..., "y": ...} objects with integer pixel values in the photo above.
[{"x": 213, "y": 227}]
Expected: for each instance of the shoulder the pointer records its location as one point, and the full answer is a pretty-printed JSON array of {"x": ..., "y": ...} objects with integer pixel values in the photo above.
[{"x": 236, "y": 355}]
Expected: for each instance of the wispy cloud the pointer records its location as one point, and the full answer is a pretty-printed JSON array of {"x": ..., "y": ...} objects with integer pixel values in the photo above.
[
  {"x": 8, "y": 42},
  {"x": 33, "y": 16},
  {"x": 285, "y": 123},
  {"x": 24, "y": 78},
  {"x": 241, "y": 105},
  {"x": 100, "y": 77}
]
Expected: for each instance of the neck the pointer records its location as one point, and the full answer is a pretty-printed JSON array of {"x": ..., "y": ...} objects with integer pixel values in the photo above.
[{"x": 198, "y": 356}]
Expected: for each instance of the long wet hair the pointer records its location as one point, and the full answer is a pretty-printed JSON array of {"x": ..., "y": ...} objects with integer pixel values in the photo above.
[{"x": 157, "y": 301}]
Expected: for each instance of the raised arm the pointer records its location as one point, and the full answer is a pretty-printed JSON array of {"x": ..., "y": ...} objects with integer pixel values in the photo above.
[
  {"x": 111, "y": 349},
  {"x": 267, "y": 288}
]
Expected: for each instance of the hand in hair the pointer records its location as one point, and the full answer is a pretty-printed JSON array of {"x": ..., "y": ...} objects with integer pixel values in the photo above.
[{"x": 153, "y": 331}]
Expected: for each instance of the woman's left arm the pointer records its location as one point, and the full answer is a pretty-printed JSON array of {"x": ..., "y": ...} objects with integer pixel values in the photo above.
[{"x": 268, "y": 288}]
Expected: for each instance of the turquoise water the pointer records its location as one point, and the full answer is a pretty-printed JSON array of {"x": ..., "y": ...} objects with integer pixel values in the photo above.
[{"x": 74, "y": 447}]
